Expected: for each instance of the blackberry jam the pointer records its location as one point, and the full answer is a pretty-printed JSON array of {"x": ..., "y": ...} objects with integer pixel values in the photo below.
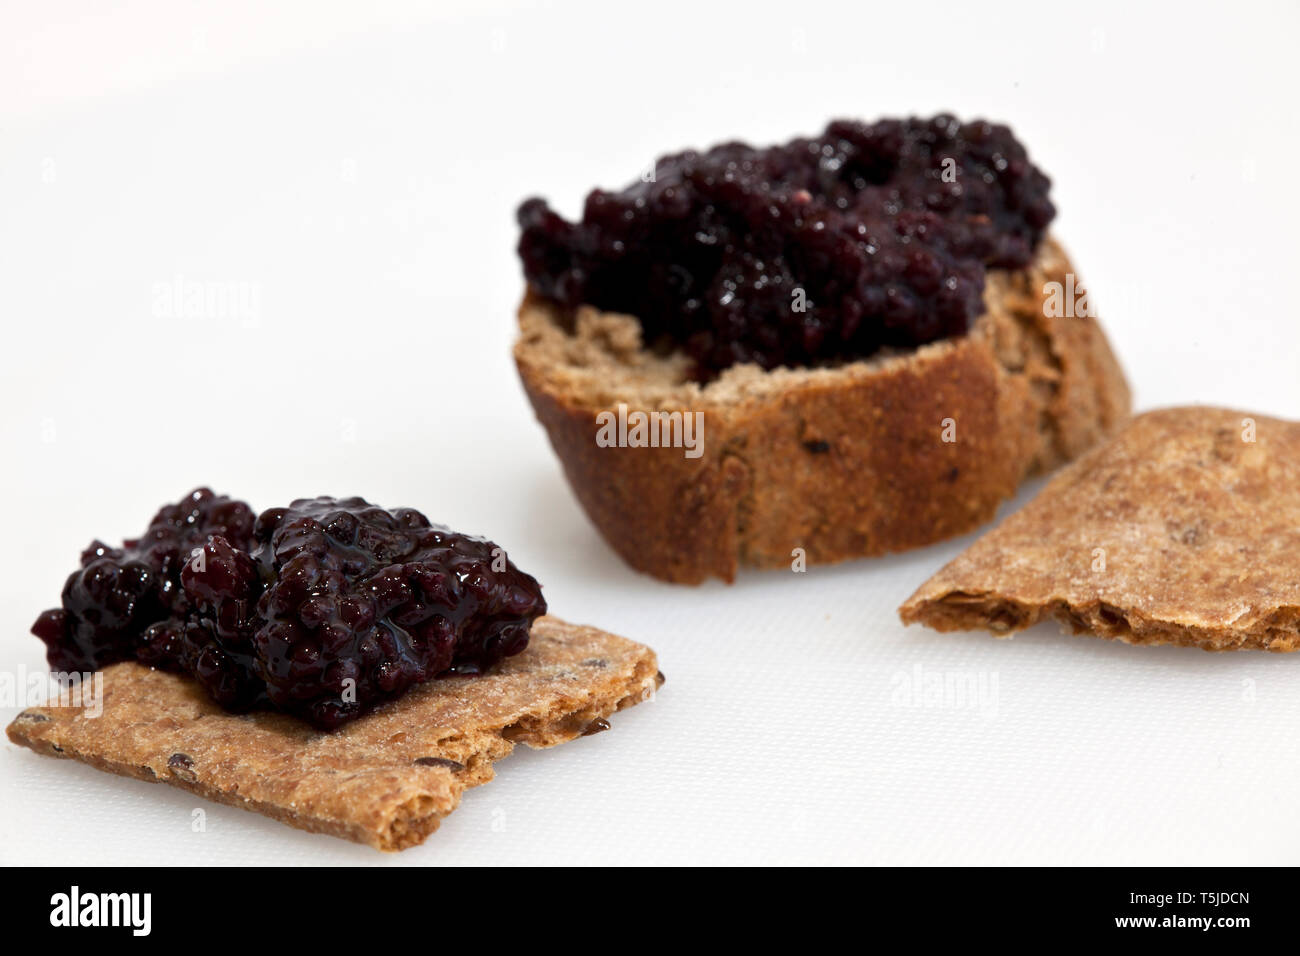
[
  {"x": 819, "y": 250},
  {"x": 323, "y": 609}
]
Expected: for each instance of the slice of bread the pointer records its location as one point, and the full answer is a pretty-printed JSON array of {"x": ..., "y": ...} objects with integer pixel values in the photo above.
[
  {"x": 822, "y": 464},
  {"x": 1184, "y": 529}
]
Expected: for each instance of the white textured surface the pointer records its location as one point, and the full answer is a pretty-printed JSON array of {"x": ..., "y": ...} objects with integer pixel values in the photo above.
[{"x": 362, "y": 176}]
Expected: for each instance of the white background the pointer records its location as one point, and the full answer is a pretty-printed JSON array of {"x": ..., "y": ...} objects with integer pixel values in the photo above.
[{"x": 357, "y": 168}]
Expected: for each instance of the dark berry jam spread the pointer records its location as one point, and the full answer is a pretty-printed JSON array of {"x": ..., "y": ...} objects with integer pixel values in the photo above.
[
  {"x": 322, "y": 610},
  {"x": 818, "y": 250},
  {"x": 121, "y": 591}
]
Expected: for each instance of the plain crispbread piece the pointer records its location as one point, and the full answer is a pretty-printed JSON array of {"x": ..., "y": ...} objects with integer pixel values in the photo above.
[
  {"x": 1181, "y": 530},
  {"x": 842, "y": 462},
  {"x": 387, "y": 779}
]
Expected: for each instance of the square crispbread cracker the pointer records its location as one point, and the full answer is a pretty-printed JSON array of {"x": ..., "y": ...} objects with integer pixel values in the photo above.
[
  {"x": 386, "y": 779},
  {"x": 1180, "y": 530}
]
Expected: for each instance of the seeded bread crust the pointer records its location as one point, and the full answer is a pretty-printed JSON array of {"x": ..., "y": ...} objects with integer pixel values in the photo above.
[
  {"x": 386, "y": 779},
  {"x": 841, "y": 462},
  {"x": 1178, "y": 531}
]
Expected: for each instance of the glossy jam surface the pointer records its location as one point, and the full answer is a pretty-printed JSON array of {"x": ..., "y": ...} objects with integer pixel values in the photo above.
[
  {"x": 323, "y": 610},
  {"x": 818, "y": 250},
  {"x": 118, "y": 592}
]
